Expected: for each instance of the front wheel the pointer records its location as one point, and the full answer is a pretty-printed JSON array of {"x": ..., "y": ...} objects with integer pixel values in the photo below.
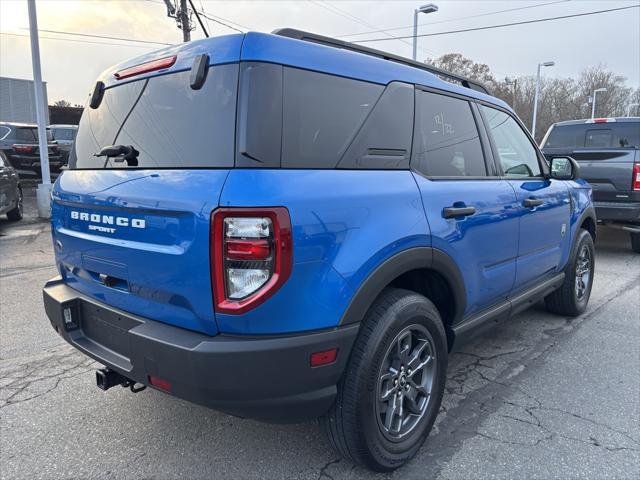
[
  {"x": 391, "y": 392},
  {"x": 573, "y": 296}
]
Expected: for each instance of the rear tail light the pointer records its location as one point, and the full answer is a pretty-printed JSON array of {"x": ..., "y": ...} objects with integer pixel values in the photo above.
[
  {"x": 23, "y": 148},
  {"x": 636, "y": 177},
  {"x": 251, "y": 256}
]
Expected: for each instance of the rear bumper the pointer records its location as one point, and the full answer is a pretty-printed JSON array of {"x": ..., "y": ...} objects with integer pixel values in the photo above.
[
  {"x": 625, "y": 212},
  {"x": 267, "y": 379}
]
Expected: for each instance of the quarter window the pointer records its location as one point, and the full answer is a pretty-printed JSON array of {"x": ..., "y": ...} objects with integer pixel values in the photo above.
[
  {"x": 446, "y": 141},
  {"x": 517, "y": 156},
  {"x": 322, "y": 114}
]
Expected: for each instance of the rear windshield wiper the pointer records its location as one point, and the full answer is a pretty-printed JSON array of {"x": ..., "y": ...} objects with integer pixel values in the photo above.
[{"x": 119, "y": 153}]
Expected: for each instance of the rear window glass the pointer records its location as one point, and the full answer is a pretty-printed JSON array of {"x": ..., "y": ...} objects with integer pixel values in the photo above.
[
  {"x": 64, "y": 133},
  {"x": 30, "y": 134},
  {"x": 165, "y": 120},
  {"x": 321, "y": 116},
  {"x": 590, "y": 135}
]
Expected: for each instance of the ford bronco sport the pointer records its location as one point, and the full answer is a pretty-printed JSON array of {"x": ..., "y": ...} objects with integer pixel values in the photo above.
[{"x": 286, "y": 226}]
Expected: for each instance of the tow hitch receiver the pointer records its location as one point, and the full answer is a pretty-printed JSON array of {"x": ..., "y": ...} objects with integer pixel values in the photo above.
[{"x": 107, "y": 378}]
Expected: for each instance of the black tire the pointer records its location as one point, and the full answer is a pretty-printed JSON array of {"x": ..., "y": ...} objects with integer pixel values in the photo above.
[
  {"x": 567, "y": 299},
  {"x": 635, "y": 242},
  {"x": 16, "y": 214},
  {"x": 355, "y": 424}
]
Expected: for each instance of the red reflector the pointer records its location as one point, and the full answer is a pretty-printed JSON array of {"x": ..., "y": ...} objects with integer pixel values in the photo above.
[
  {"x": 324, "y": 358},
  {"x": 255, "y": 249},
  {"x": 23, "y": 148},
  {"x": 146, "y": 67},
  {"x": 160, "y": 383},
  {"x": 636, "y": 177}
]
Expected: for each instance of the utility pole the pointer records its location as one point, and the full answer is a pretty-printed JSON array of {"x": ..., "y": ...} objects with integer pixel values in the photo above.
[
  {"x": 182, "y": 14},
  {"x": 183, "y": 21},
  {"x": 44, "y": 188}
]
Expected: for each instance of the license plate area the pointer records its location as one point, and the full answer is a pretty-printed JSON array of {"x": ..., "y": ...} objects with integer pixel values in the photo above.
[{"x": 106, "y": 328}]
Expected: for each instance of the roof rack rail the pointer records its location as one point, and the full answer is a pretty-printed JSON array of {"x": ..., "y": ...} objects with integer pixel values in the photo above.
[{"x": 334, "y": 42}]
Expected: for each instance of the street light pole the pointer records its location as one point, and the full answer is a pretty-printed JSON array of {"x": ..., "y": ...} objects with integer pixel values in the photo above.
[
  {"x": 44, "y": 188},
  {"x": 429, "y": 8},
  {"x": 593, "y": 103},
  {"x": 535, "y": 97}
]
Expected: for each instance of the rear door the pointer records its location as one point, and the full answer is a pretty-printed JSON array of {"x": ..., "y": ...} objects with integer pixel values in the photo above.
[
  {"x": 543, "y": 204},
  {"x": 605, "y": 149},
  {"x": 471, "y": 211},
  {"x": 137, "y": 236}
]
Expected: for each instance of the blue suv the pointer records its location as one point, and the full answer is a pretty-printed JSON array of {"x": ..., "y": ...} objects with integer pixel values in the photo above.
[{"x": 286, "y": 226}]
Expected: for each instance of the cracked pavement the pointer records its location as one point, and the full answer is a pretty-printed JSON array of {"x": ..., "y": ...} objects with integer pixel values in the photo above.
[{"x": 541, "y": 396}]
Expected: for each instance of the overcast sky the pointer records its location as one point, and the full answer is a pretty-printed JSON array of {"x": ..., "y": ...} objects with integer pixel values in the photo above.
[{"x": 70, "y": 66}]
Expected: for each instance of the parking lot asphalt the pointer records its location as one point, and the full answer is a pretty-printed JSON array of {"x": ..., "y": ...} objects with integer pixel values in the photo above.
[{"x": 541, "y": 396}]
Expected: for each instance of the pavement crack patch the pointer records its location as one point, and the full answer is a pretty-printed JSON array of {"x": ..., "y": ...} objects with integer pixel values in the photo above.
[
  {"x": 34, "y": 379},
  {"x": 323, "y": 470}
]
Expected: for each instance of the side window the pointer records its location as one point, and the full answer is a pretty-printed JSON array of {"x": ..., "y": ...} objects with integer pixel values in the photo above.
[
  {"x": 517, "y": 156},
  {"x": 446, "y": 141},
  {"x": 321, "y": 115},
  {"x": 598, "y": 138}
]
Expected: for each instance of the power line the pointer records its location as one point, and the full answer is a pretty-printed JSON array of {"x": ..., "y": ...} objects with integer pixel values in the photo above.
[
  {"x": 489, "y": 27},
  {"x": 214, "y": 18},
  {"x": 455, "y": 19},
  {"x": 101, "y": 36},
  {"x": 343, "y": 13},
  {"x": 77, "y": 40}
]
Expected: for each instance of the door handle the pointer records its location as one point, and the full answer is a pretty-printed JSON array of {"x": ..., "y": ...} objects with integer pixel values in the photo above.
[
  {"x": 453, "y": 212},
  {"x": 532, "y": 202}
]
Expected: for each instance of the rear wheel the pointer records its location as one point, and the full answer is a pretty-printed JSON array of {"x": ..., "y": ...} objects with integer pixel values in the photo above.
[
  {"x": 16, "y": 214},
  {"x": 635, "y": 242},
  {"x": 573, "y": 296},
  {"x": 391, "y": 392}
]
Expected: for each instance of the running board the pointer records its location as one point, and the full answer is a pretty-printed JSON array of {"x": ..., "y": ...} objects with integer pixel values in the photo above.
[{"x": 508, "y": 308}]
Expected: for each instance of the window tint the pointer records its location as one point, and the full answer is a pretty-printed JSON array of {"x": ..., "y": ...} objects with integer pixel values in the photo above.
[
  {"x": 30, "y": 134},
  {"x": 589, "y": 135},
  {"x": 4, "y": 132},
  {"x": 170, "y": 124},
  {"x": 63, "y": 133},
  {"x": 321, "y": 115},
  {"x": 446, "y": 142},
  {"x": 598, "y": 138},
  {"x": 517, "y": 156}
]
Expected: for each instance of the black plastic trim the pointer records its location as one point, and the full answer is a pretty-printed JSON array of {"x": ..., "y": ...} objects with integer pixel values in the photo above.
[
  {"x": 265, "y": 378},
  {"x": 403, "y": 262},
  {"x": 335, "y": 43}
]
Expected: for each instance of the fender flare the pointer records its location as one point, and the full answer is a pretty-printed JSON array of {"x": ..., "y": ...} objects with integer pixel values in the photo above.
[
  {"x": 403, "y": 262},
  {"x": 588, "y": 212}
]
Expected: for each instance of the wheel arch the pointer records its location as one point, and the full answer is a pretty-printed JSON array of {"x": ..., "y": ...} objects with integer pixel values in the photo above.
[{"x": 425, "y": 270}]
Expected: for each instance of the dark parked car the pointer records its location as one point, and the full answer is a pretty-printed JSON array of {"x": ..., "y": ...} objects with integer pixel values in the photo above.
[
  {"x": 64, "y": 135},
  {"x": 10, "y": 190},
  {"x": 19, "y": 142},
  {"x": 608, "y": 151}
]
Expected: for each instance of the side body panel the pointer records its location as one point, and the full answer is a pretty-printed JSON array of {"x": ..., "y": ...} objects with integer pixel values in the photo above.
[
  {"x": 345, "y": 224},
  {"x": 544, "y": 237},
  {"x": 484, "y": 245}
]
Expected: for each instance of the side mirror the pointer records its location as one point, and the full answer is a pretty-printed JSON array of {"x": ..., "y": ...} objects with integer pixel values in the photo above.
[{"x": 564, "y": 168}]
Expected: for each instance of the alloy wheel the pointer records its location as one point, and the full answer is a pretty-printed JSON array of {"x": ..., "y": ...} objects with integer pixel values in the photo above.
[{"x": 405, "y": 381}]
